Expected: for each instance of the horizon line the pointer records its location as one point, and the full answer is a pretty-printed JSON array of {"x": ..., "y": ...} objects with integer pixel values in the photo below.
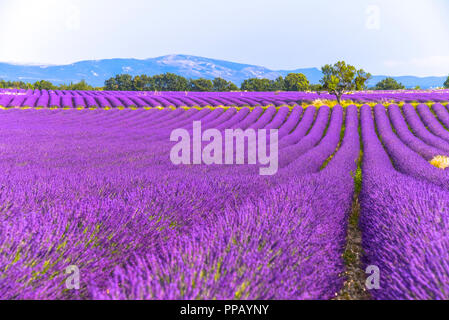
[{"x": 37, "y": 64}]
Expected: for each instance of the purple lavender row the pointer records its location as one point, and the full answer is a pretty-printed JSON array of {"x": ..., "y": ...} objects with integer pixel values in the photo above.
[
  {"x": 279, "y": 118},
  {"x": 266, "y": 121},
  {"x": 405, "y": 159},
  {"x": 73, "y": 99},
  {"x": 252, "y": 254},
  {"x": 345, "y": 160},
  {"x": 400, "y": 235},
  {"x": 292, "y": 152},
  {"x": 300, "y": 130},
  {"x": 225, "y": 271},
  {"x": 432, "y": 123},
  {"x": 417, "y": 145},
  {"x": 237, "y": 118},
  {"x": 128, "y": 291},
  {"x": 442, "y": 113},
  {"x": 165, "y": 229},
  {"x": 421, "y": 131},
  {"x": 250, "y": 119},
  {"x": 312, "y": 160},
  {"x": 286, "y": 127},
  {"x": 266, "y": 117},
  {"x": 291, "y": 122}
]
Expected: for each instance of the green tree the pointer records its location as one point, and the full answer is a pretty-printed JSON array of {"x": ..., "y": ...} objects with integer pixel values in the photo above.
[
  {"x": 111, "y": 85},
  {"x": 388, "y": 84},
  {"x": 200, "y": 84},
  {"x": 44, "y": 85},
  {"x": 341, "y": 77},
  {"x": 170, "y": 82},
  {"x": 121, "y": 82},
  {"x": 278, "y": 84},
  {"x": 124, "y": 82},
  {"x": 143, "y": 83},
  {"x": 446, "y": 83},
  {"x": 15, "y": 85},
  {"x": 316, "y": 87},
  {"x": 360, "y": 80},
  {"x": 222, "y": 85},
  {"x": 256, "y": 84},
  {"x": 296, "y": 82},
  {"x": 82, "y": 86}
]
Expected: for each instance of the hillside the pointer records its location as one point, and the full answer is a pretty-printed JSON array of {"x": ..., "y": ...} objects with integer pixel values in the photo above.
[{"x": 95, "y": 72}]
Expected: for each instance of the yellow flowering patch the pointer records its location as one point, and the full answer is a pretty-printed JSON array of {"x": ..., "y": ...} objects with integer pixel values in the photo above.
[{"x": 441, "y": 162}]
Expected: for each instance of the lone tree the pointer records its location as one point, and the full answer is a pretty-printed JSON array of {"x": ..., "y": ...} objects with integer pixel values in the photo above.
[
  {"x": 446, "y": 83},
  {"x": 389, "y": 84},
  {"x": 341, "y": 77}
]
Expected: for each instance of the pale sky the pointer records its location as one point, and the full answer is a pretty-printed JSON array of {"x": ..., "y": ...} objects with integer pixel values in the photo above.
[{"x": 393, "y": 37}]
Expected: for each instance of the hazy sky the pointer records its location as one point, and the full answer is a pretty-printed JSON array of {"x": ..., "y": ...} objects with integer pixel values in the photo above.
[{"x": 394, "y": 37}]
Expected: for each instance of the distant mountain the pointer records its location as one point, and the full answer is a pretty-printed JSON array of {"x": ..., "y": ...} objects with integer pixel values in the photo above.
[
  {"x": 412, "y": 82},
  {"x": 95, "y": 72}
]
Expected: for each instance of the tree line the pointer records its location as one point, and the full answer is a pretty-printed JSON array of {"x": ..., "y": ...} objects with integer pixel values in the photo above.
[
  {"x": 166, "y": 82},
  {"x": 337, "y": 79},
  {"x": 172, "y": 82},
  {"x": 46, "y": 85}
]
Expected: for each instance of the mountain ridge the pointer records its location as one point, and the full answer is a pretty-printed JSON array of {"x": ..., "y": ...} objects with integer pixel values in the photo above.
[{"x": 95, "y": 72}]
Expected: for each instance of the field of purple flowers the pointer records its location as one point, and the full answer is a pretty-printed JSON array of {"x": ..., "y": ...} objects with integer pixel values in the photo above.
[
  {"x": 10, "y": 98},
  {"x": 96, "y": 189}
]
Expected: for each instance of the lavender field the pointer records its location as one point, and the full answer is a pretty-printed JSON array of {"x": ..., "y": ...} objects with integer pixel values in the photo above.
[
  {"x": 86, "y": 180},
  {"x": 11, "y": 98}
]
